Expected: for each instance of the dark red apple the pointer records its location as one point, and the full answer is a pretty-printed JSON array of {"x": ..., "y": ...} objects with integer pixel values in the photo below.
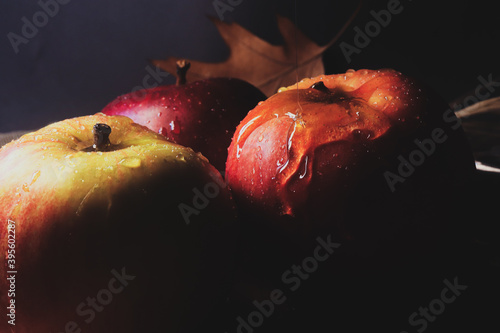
[
  {"x": 364, "y": 155},
  {"x": 201, "y": 115}
]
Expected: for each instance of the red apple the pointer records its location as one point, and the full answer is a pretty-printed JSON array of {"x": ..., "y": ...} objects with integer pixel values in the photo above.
[
  {"x": 201, "y": 115},
  {"x": 363, "y": 155},
  {"x": 121, "y": 233}
]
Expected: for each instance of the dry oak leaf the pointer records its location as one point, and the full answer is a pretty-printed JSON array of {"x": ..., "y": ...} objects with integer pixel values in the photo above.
[{"x": 266, "y": 66}]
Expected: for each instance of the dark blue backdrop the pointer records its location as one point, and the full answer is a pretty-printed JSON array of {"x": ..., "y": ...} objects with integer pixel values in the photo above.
[{"x": 91, "y": 51}]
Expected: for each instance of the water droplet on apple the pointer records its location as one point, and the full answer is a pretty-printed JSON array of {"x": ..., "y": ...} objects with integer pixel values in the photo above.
[
  {"x": 303, "y": 167},
  {"x": 175, "y": 126},
  {"x": 69, "y": 161},
  {"x": 162, "y": 131},
  {"x": 282, "y": 166},
  {"x": 159, "y": 114},
  {"x": 82, "y": 128},
  {"x": 35, "y": 177},
  {"x": 238, "y": 151},
  {"x": 260, "y": 103},
  {"x": 174, "y": 108},
  {"x": 261, "y": 137},
  {"x": 131, "y": 162},
  {"x": 180, "y": 157},
  {"x": 26, "y": 188}
]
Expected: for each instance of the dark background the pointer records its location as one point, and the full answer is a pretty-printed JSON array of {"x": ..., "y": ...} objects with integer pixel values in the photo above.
[{"x": 93, "y": 50}]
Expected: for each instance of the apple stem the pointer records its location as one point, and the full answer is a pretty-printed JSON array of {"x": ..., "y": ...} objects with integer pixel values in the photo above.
[
  {"x": 182, "y": 68},
  {"x": 101, "y": 137},
  {"x": 320, "y": 86}
]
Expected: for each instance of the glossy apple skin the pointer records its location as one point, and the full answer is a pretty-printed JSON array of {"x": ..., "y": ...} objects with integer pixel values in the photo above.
[
  {"x": 313, "y": 161},
  {"x": 201, "y": 115},
  {"x": 79, "y": 215}
]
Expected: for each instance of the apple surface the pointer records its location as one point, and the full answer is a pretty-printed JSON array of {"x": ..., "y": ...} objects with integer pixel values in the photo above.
[
  {"x": 112, "y": 229},
  {"x": 201, "y": 115},
  {"x": 368, "y": 155}
]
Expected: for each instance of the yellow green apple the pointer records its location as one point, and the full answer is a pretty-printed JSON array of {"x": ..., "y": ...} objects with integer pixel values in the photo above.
[{"x": 108, "y": 227}]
